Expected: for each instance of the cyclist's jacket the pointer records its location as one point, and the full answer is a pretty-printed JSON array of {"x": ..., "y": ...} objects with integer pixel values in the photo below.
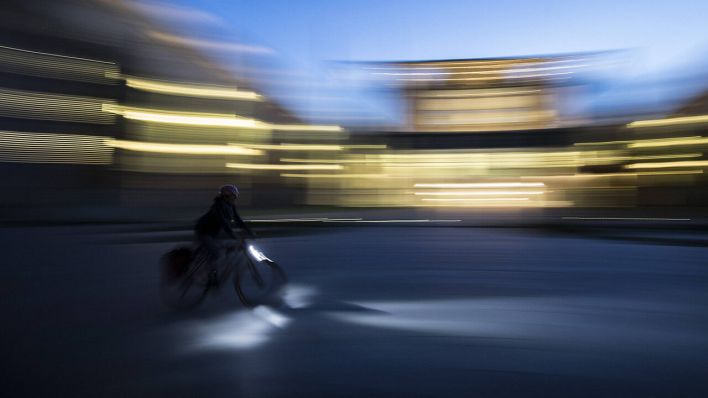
[{"x": 221, "y": 216}]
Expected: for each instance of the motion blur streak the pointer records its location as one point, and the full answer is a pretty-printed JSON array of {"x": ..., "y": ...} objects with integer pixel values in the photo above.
[
  {"x": 492, "y": 193},
  {"x": 283, "y": 166},
  {"x": 661, "y": 165},
  {"x": 56, "y": 107},
  {"x": 484, "y": 185},
  {"x": 41, "y": 64},
  {"x": 141, "y": 146},
  {"x": 296, "y": 147},
  {"x": 190, "y": 90},
  {"x": 669, "y": 121},
  {"x": 24, "y": 147},
  {"x": 668, "y": 142},
  {"x": 336, "y": 176},
  {"x": 554, "y": 321},
  {"x": 210, "y": 44},
  {"x": 186, "y": 118},
  {"x": 296, "y": 127},
  {"x": 235, "y": 331}
]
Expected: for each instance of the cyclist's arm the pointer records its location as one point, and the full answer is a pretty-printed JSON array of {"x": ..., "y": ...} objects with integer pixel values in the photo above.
[{"x": 241, "y": 224}]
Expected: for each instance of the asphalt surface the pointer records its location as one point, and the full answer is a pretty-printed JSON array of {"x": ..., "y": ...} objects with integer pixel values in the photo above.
[{"x": 380, "y": 311}]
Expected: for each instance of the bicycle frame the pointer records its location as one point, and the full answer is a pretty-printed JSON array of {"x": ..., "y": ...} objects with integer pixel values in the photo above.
[{"x": 251, "y": 254}]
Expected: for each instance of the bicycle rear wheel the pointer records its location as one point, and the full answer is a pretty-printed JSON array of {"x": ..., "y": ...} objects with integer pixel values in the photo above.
[
  {"x": 184, "y": 279},
  {"x": 259, "y": 283}
]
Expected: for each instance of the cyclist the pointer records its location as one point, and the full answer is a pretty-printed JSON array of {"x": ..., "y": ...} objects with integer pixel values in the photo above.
[{"x": 221, "y": 217}]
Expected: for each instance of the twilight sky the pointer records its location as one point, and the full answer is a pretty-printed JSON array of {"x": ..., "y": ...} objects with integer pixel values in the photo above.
[{"x": 660, "y": 34}]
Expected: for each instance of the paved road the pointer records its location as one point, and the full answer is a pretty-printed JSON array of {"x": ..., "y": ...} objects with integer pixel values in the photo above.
[{"x": 386, "y": 311}]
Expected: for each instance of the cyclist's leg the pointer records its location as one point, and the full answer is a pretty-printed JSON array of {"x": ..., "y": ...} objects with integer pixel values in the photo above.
[{"x": 212, "y": 252}]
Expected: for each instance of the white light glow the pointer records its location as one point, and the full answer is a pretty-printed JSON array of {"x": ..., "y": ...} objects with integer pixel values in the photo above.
[{"x": 257, "y": 254}]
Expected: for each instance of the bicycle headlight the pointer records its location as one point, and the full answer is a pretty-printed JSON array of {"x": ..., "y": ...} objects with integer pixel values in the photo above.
[{"x": 257, "y": 254}]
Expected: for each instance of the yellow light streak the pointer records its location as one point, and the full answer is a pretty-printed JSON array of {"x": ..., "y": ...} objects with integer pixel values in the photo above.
[
  {"x": 480, "y": 193},
  {"x": 304, "y": 127},
  {"x": 669, "y": 122},
  {"x": 205, "y": 119},
  {"x": 296, "y": 147},
  {"x": 677, "y": 156},
  {"x": 252, "y": 166},
  {"x": 191, "y": 90},
  {"x": 187, "y": 118},
  {"x": 484, "y": 185},
  {"x": 696, "y": 140},
  {"x": 291, "y": 175},
  {"x": 602, "y": 143},
  {"x": 28, "y": 147},
  {"x": 661, "y": 165},
  {"x": 186, "y": 149},
  {"x": 474, "y": 199}
]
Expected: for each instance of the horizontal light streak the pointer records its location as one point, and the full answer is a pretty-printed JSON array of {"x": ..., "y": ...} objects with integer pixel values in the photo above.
[
  {"x": 186, "y": 149},
  {"x": 627, "y": 218},
  {"x": 499, "y": 77},
  {"x": 251, "y": 166},
  {"x": 205, "y": 119},
  {"x": 57, "y": 55},
  {"x": 494, "y": 93},
  {"x": 510, "y": 69},
  {"x": 57, "y": 107},
  {"x": 28, "y": 147},
  {"x": 296, "y": 147},
  {"x": 185, "y": 118},
  {"x": 676, "y": 156},
  {"x": 304, "y": 127},
  {"x": 480, "y": 193},
  {"x": 474, "y": 199},
  {"x": 661, "y": 165},
  {"x": 34, "y": 63},
  {"x": 402, "y": 221},
  {"x": 669, "y": 122},
  {"x": 190, "y": 90},
  {"x": 484, "y": 185},
  {"x": 696, "y": 140},
  {"x": 363, "y": 176}
]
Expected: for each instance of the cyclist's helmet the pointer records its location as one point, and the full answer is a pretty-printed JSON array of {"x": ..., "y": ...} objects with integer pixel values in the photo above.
[{"x": 229, "y": 189}]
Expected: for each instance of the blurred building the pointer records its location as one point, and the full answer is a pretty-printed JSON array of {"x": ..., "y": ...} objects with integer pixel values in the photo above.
[
  {"x": 103, "y": 108},
  {"x": 504, "y": 94},
  {"x": 108, "y": 111}
]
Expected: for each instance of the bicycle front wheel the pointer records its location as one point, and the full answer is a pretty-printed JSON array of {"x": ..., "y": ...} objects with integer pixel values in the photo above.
[{"x": 259, "y": 283}]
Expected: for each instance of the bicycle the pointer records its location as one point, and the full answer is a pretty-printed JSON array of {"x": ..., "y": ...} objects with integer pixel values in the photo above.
[{"x": 185, "y": 279}]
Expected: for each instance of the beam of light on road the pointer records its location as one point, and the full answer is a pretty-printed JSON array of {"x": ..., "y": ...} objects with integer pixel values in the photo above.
[
  {"x": 239, "y": 331},
  {"x": 299, "y": 296},
  {"x": 555, "y": 320},
  {"x": 272, "y": 316}
]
